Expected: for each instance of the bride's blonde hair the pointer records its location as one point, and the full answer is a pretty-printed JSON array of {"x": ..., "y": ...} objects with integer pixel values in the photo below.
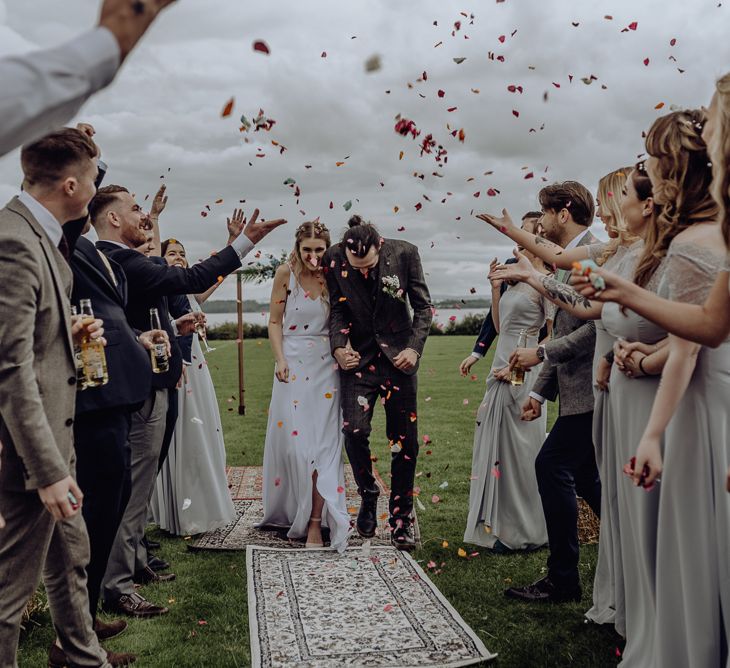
[
  {"x": 609, "y": 197},
  {"x": 309, "y": 230},
  {"x": 719, "y": 150}
]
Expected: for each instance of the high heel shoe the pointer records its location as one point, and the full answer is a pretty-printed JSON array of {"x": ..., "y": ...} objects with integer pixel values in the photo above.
[{"x": 310, "y": 546}]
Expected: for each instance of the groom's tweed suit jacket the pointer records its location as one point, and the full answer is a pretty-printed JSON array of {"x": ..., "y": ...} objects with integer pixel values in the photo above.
[
  {"x": 382, "y": 323},
  {"x": 568, "y": 369},
  {"x": 37, "y": 370}
]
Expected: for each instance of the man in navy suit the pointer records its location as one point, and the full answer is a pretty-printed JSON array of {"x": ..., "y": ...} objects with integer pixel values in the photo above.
[
  {"x": 119, "y": 222},
  {"x": 488, "y": 331}
]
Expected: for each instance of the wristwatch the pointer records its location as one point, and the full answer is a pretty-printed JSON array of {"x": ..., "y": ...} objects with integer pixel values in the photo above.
[{"x": 541, "y": 353}]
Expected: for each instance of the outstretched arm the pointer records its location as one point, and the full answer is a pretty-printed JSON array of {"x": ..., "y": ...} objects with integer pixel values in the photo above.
[
  {"x": 554, "y": 255},
  {"x": 708, "y": 323}
]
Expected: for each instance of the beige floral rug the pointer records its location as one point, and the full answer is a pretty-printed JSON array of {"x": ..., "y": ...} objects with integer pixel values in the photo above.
[
  {"x": 245, "y": 484},
  {"x": 367, "y": 607}
]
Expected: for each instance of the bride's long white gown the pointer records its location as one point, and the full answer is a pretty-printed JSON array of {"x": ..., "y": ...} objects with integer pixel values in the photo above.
[{"x": 304, "y": 432}]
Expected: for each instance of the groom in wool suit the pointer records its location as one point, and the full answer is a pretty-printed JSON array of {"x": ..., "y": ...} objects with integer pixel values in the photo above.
[{"x": 377, "y": 344}]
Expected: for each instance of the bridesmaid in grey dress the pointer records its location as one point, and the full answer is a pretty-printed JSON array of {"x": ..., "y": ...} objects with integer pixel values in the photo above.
[
  {"x": 692, "y": 576},
  {"x": 505, "y": 512}
]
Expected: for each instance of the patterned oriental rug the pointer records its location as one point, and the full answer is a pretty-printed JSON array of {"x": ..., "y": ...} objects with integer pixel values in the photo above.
[
  {"x": 366, "y": 607},
  {"x": 245, "y": 483}
]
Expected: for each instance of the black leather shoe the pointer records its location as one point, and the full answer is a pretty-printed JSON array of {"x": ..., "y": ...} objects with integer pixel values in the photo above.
[
  {"x": 403, "y": 538},
  {"x": 157, "y": 564},
  {"x": 152, "y": 544},
  {"x": 147, "y": 576},
  {"x": 367, "y": 523},
  {"x": 544, "y": 590}
]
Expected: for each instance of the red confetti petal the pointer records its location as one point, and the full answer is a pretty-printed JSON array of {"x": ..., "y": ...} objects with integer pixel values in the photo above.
[
  {"x": 261, "y": 46},
  {"x": 633, "y": 25},
  {"x": 228, "y": 109}
]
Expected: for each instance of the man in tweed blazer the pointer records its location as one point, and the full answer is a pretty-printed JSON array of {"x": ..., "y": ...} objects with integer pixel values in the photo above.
[
  {"x": 39, "y": 497},
  {"x": 566, "y": 464},
  {"x": 377, "y": 344}
]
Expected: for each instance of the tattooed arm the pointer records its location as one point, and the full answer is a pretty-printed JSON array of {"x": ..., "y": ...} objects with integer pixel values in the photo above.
[{"x": 566, "y": 298}]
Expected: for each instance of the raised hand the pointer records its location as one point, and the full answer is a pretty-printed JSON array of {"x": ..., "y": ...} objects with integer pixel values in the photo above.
[
  {"x": 236, "y": 223},
  {"x": 613, "y": 292},
  {"x": 500, "y": 224},
  {"x": 257, "y": 231},
  {"x": 128, "y": 20},
  {"x": 496, "y": 282},
  {"x": 158, "y": 203},
  {"x": 518, "y": 271}
]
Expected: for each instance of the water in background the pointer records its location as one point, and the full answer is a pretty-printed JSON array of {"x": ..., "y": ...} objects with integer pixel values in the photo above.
[{"x": 442, "y": 316}]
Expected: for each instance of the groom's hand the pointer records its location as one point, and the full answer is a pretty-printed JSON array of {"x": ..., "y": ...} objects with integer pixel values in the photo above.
[{"x": 405, "y": 360}]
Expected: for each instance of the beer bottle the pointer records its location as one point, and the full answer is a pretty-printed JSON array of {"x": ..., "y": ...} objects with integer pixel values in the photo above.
[
  {"x": 80, "y": 373},
  {"x": 158, "y": 353},
  {"x": 92, "y": 350},
  {"x": 518, "y": 373}
]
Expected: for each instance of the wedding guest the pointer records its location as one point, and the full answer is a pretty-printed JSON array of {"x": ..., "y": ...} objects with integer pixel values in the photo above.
[
  {"x": 191, "y": 492},
  {"x": 694, "y": 512},
  {"x": 488, "y": 332},
  {"x": 44, "y": 89},
  {"x": 378, "y": 344},
  {"x": 566, "y": 463},
  {"x": 117, "y": 219},
  {"x": 504, "y": 504},
  {"x": 608, "y": 595},
  {"x": 39, "y": 497},
  {"x": 103, "y": 414},
  {"x": 304, "y": 479}
]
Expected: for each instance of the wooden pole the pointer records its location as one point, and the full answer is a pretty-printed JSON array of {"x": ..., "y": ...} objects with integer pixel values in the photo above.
[{"x": 239, "y": 309}]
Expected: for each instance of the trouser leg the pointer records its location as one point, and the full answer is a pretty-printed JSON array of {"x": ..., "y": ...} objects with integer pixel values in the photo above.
[
  {"x": 402, "y": 430},
  {"x": 145, "y": 439},
  {"x": 104, "y": 475},
  {"x": 359, "y": 395},
  {"x": 556, "y": 466}
]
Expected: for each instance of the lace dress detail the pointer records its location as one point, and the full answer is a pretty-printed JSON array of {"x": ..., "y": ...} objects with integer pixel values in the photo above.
[{"x": 691, "y": 270}]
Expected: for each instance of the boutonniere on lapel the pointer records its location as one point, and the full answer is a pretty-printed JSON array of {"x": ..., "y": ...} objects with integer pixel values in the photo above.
[{"x": 392, "y": 288}]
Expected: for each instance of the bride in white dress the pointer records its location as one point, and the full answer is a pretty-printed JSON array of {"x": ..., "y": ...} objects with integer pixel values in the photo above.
[{"x": 304, "y": 481}]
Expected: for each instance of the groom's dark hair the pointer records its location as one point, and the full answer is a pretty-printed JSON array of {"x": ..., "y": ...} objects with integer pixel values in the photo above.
[{"x": 360, "y": 237}]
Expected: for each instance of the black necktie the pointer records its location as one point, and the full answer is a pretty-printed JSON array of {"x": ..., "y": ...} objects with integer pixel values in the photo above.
[{"x": 64, "y": 249}]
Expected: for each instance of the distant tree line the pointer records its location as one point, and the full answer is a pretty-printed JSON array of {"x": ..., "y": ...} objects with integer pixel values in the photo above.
[{"x": 469, "y": 325}]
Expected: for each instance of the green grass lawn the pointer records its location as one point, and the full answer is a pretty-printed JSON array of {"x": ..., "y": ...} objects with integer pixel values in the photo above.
[{"x": 208, "y": 621}]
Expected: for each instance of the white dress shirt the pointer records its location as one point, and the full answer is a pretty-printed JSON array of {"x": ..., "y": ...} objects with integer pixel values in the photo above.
[
  {"x": 572, "y": 244},
  {"x": 45, "y": 218},
  {"x": 42, "y": 90}
]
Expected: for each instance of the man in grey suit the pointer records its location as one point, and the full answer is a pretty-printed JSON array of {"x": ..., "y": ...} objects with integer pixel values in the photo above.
[
  {"x": 566, "y": 463},
  {"x": 377, "y": 345},
  {"x": 39, "y": 497}
]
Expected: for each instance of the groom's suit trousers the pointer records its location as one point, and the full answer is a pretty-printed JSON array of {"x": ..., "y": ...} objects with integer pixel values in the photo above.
[
  {"x": 398, "y": 393},
  {"x": 145, "y": 440}
]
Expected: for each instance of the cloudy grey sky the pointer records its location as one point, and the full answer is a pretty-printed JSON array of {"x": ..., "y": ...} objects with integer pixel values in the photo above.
[{"x": 163, "y": 111}]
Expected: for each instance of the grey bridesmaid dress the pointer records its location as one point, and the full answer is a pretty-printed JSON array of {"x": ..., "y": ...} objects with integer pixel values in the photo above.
[
  {"x": 635, "y": 510},
  {"x": 504, "y": 502},
  {"x": 693, "y": 573},
  {"x": 608, "y": 592}
]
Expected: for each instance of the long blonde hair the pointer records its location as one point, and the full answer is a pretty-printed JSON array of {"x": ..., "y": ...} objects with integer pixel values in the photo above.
[
  {"x": 681, "y": 178},
  {"x": 309, "y": 230},
  {"x": 719, "y": 150},
  {"x": 609, "y": 191}
]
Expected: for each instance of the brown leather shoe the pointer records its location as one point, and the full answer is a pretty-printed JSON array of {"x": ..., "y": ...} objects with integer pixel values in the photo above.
[
  {"x": 57, "y": 658},
  {"x": 105, "y": 630},
  {"x": 147, "y": 576},
  {"x": 134, "y": 605}
]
